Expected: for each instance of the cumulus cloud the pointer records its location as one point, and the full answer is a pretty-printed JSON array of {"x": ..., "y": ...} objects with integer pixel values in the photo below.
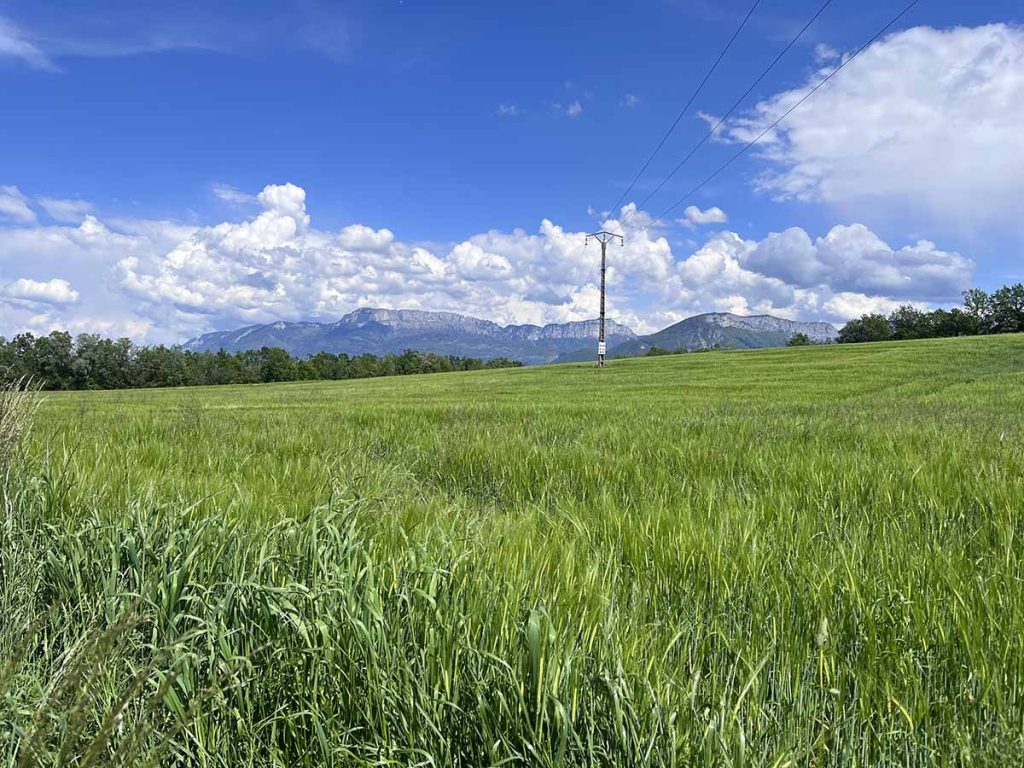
[
  {"x": 14, "y": 205},
  {"x": 924, "y": 124},
  {"x": 849, "y": 304},
  {"x": 507, "y": 110},
  {"x": 65, "y": 210},
  {"x": 169, "y": 281},
  {"x": 53, "y": 291},
  {"x": 277, "y": 266},
  {"x": 86, "y": 255},
  {"x": 853, "y": 258},
  {"x": 362, "y": 238},
  {"x": 575, "y": 109},
  {"x": 694, "y": 216}
]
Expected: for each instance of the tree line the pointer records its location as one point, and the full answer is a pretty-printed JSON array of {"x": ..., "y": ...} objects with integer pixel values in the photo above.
[
  {"x": 88, "y": 361},
  {"x": 1001, "y": 311}
]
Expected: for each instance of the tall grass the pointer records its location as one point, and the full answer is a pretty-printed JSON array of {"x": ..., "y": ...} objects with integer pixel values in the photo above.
[
  {"x": 64, "y": 697},
  {"x": 798, "y": 557},
  {"x": 17, "y": 403}
]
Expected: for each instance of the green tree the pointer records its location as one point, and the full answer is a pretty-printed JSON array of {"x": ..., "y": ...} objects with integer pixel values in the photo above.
[
  {"x": 978, "y": 305},
  {"x": 1007, "y": 309},
  {"x": 954, "y": 322},
  {"x": 871, "y": 327},
  {"x": 276, "y": 365},
  {"x": 102, "y": 363},
  {"x": 799, "y": 340},
  {"x": 909, "y": 322},
  {"x": 160, "y": 366},
  {"x": 48, "y": 359}
]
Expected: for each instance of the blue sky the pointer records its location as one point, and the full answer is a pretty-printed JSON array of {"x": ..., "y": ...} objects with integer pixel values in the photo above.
[{"x": 480, "y": 138}]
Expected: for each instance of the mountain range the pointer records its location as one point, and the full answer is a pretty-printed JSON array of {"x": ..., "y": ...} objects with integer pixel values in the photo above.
[{"x": 384, "y": 331}]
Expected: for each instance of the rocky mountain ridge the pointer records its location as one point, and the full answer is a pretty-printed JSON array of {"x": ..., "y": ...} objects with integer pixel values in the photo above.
[
  {"x": 728, "y": 331},
  {"x": 382, "y": 331}
]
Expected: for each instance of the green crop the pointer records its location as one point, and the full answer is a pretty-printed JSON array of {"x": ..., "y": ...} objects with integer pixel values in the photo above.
[{"x": 806, "y": 557}]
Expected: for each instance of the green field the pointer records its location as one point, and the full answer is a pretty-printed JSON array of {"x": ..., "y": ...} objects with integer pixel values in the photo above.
[{"x": 806, "y": 557}]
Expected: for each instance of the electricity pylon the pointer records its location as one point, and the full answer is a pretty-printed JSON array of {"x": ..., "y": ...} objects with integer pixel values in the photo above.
[{"x": 603, "y": 238}]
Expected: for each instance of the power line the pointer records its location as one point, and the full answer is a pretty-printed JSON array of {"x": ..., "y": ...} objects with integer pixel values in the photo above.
[
  {"x": 696, "y": 93},
  {"x": 673, "y": 127},
  {"x": 732, "y": 109},
  {"x": 711, "y": 132},
  {"x": 779, "y": 120},
  {"x": 786, "y": 114}
]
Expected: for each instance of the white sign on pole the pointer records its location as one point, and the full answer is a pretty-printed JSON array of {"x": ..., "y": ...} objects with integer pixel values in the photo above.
[{"x": 602, "y": 348}]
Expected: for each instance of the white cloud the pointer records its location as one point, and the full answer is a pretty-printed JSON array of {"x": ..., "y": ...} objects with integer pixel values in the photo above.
[
  {"x": 14, "y": 205},
  {"x": 471, "y": 261},
  {"x": 53, "y": 291},
  {"x": 75, "y": 33},
  {"x": 278, "y": 266},
  {"x": 362, "y": 238},
  {"x": 694, "y": 216},
  {"x": 87, "y": 256},
  {"x": 853, "y": 258},
  {"x": 714, "y": 279},
  {"x": 64, "y": 209},
  {"x": 287, "y": 200},
  {"x": 823, "y": 53},
  {"x": 924, "y": 126},
  {"x": 630, "y": 100},
  {"x": 575, "y": 109},
  {"x": 507, "y": 110},
  {"x": 850, "y": 305},
  {"x": 41, "y": 48},
  {"x": 15, "y": 43},
  {"x": 50, "y": 319},
  {"x": 714, "y": 123},
  {"x": 164, "y": 281},
  {"x": 230, "y": 194}
]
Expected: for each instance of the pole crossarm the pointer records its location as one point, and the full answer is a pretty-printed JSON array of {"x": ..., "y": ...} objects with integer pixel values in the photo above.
[{"x": 603, "y": 237}]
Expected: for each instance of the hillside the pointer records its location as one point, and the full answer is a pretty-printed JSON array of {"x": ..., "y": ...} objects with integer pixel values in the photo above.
[
  {"x": 384, "y": 331},
  {"x": 800, "y": 556},
  {"x": 725, "y": 330}
]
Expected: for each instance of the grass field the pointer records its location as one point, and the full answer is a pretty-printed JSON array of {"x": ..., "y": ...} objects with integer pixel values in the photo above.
[{"x": 805, "y": 557}]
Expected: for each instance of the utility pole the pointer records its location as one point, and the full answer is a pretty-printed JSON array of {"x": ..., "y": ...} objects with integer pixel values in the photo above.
[{"x": 603, "y": 238}]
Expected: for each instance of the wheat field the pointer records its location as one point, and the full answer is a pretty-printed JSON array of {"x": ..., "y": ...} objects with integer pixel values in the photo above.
[{"x": 805, "y": 557}]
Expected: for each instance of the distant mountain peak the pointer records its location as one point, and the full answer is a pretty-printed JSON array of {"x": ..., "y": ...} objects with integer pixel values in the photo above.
[
  {"x": 726, "y": 330},
  {"x": 414, "y": 319},
  {"x": 817, "y": 331}
]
